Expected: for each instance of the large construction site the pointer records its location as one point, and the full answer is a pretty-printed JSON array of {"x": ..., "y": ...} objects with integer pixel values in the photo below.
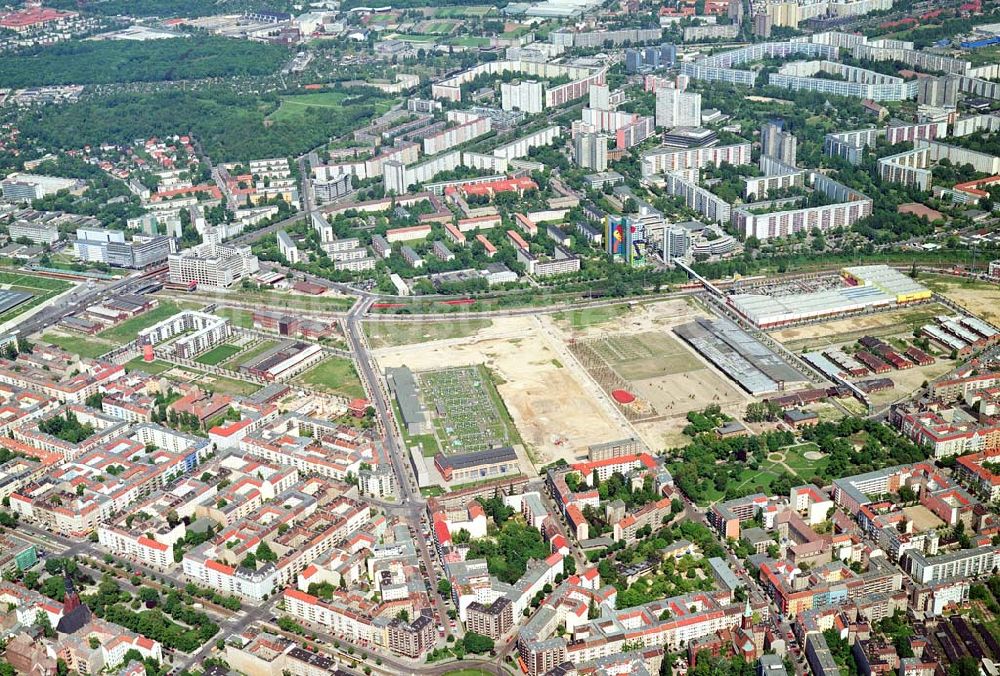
[{"x": 588, "y": 376}]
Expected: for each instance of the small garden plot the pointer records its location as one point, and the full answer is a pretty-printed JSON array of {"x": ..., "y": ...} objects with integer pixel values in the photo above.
[{"x": 468, "y": 414}]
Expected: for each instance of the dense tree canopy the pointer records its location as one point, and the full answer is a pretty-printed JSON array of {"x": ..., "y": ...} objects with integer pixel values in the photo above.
[
  {"x": 106, "y": 61},
  {"x": 508, "y": 554},
  {"x": 230, "y": 126}
]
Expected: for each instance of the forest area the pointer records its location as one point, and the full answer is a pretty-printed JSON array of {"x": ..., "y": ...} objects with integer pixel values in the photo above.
[{"x": 108, "y": 61}]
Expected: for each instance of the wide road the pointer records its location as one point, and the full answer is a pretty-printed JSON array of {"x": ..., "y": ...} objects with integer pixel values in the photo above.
[{"x": 410, "y": 500}]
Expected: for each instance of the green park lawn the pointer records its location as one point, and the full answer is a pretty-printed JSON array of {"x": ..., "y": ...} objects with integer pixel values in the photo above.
[
  {"x": 295, "y": 107},
  {"x": 218, "y": 354},
  {"x": 334, "y": 375},
  {"x": 592, "y": 316},
  {"x": 236, "y": 316},
  {"x": 260, "y": 349},
  {"x": 84, "y": 346},
  {"x": 153, "y": 368}
]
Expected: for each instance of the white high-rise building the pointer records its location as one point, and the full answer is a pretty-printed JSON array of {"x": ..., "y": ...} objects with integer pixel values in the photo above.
[
  {"x": 675, "y": 108},
  {"x": 287, "y": 247},
  {"x": 591, "y": 151},
  {"x": 777, "y": 143},
  {"x": 600, "y": 97},
  {"x": 523, "y": 95},
  {"x": 212, "y": 265},
  {"x": 676, "y": 242}
]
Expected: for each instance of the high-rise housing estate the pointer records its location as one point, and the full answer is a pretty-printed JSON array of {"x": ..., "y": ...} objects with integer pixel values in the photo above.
[
  {"x": 523, "y": 95},
  {"x": 600, "y": 97},
  {"x": 675, "y": 108},
  {"x": 762, "y": 25},
  {"x": 591, "y": 151},
  {"x": 938, "y": 91},
  {"x": 650, "y": 58},
  {"x": 735, "y": 11},
  {"x": 676, "y": 241},
  {"x": 777, "y": 143}
]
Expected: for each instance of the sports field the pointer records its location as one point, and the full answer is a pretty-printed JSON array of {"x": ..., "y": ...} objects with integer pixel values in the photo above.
[
  {"x": 334, "y": 375},
  {"x": 436, "y": 27},
  {"x": 469, "y": 41},
  {"x": 295, "y": 107},
  {"x": 645, "y": 355},
  {"x": 40, "y": 288},
  {"x": 469, "y": 415}
]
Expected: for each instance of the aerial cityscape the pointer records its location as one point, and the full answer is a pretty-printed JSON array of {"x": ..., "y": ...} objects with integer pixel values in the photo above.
[{"x": 500, "y": 338}]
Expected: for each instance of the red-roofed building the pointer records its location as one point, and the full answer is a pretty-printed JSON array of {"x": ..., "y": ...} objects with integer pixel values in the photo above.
[
  {"x": 212, "y": 191},
  {"x": 454, "y": 234},
  {"x": 309, "y": 288},
  {"x": 517, "y": 240},
  {"x": 526, "y": 224},
  {"x": 487, "y": 245},
  {"x": 974, "y": 189},
  {"x": 520, "y": 185},
  {"x": 976, "y": 472},
  {"x": 32, "y": 18},
  {"x": 358, "y": 407}
]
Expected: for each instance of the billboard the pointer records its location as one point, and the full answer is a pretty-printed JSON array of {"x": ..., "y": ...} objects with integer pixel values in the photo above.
[
  {"x": 626, "y": 240},
  {"x": 618, "y": 236}
]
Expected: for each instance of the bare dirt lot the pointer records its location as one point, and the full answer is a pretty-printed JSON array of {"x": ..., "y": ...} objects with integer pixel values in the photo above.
[
  {"x": 557, "y": 406},
  {"x": 557, "y": 414},
  {"x": 909, "y": 380},
  {"x": 979, "y": 298},
  {"x": 659, "y": 368},
  {"x": 923, "y": 518},
  {"x": 880, "y": 324}
]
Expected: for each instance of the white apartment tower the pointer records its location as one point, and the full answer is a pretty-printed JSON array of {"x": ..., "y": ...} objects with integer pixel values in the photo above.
[
  {"x": 523, "y": 95},
  {"x": 675, "y": 108},
  {"x": 591, "y": 151},
  {"x": 600, "y": 97},
  {"x": 777, "y": 143}
]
